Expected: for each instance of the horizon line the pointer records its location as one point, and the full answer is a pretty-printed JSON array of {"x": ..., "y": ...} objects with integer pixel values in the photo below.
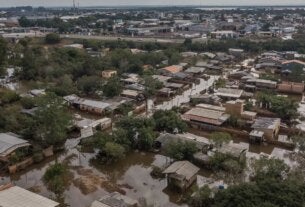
[{"x": 158, "y": 5}]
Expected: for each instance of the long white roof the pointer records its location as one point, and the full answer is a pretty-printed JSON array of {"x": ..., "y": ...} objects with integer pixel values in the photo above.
[{"x": 19, "y": 197}]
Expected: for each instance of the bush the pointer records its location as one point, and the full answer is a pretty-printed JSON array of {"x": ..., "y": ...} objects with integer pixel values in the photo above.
[{"x": 56, "y": 177}]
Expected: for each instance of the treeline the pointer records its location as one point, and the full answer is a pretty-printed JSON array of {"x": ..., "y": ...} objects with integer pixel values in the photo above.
[{"x": 209, "y": 46}]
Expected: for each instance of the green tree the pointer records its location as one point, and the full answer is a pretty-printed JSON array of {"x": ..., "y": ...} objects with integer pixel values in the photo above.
[
  {"x": 113, "y": 87},
  {"x": 179, "y": 150},
  {"x": 220, "y": 138},
  {"x": 52, "y": 38},
  {"x": 3, "y": 54},
  {"x": 113, "y": 151},
  {"x": 65, "y": 86},
  {"x": 202, "y": 197},
  {"x": 269, "y": 168},
  {"x": 151, "y": 86},
  {"x": 52, "y": 121},
  {"x": 169, "y": 121},
  {"x": 89, "y": 84},
  {"x": 57, "y": 177},
  {"x": 267, "y": 192},
  {"x": 146, "y": 138}
]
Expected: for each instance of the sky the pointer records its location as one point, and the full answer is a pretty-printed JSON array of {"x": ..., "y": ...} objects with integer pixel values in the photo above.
[{"x": 46, "y": 3}]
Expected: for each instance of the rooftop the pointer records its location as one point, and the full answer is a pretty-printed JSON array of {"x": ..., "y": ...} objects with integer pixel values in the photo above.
[
  {"x": 10, "y": 142},
  {"x": 206, "y": 116},
  {"x": 229, "y": 92},
  {"x": 183, "y": 169},
  {"x": 18, "y": 197},
  {"x": 266, "y": 123}
]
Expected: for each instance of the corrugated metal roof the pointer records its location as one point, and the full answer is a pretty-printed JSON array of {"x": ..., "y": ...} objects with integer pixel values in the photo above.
[
  {"x": 9, "y": 142},
  {"x": 182, "y": 168},
  {"x": 19, "y": 197}
]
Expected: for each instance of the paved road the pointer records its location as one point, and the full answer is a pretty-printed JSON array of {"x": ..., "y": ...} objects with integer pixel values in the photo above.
[{"x": 135, "y": 39}]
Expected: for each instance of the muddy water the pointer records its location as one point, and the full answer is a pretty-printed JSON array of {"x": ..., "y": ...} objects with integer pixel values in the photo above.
[
  {"x": 185, "y": 97},
  {"x": 130, "y": 175}
]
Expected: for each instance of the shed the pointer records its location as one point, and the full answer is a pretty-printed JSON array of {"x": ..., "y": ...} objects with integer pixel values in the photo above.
[{"x": 181, "y": 174}]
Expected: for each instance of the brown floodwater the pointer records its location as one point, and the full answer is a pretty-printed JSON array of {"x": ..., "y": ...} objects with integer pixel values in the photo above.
[{"x": 130, "y": 176}]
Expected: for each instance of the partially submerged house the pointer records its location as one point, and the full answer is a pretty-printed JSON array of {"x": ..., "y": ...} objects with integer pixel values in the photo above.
[
  {"x": 170, "y": 70},
  {"x": 9, "y": 143},
  {"x": 234, "y": 150},
  {"x": 14, "y": 196},
  {"x": 93, "y": 106},
  {"x": 291, "y": 87},
  {"x": 181, "y": 174},
  {"x": 229, "y": 93},
  {"x": 269, "y": 126},
  {"x": 203, "y": 116},
  {"x": 87, "y": 127},
  {"x": 165, "y": 139},
  {"x": 115, "y": 200}
]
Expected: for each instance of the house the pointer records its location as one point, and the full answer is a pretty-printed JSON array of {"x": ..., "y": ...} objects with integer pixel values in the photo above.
[
  {"x": 163, "y": 79},
  {"x": 75, "y": 46},
  {"x": 181, "y": 174},
  {"x": 130, "y": 78},
  {"x": 165, "y": 139},
  {"x": 269, "y": 126},
  {"x": 291, "y": 87},
  {"x": 211, "y": 107},
  {"x": 224, "y": 34},
  {"x": 229, "y": 93},
  {"x": 115, "y": 200},
  {"x": 37, "y": 92},
  {"x": 109, "y": 73},
  {"x": 256, "y": 136},
  {"x": 87, "y": 126},
  {"x": 188, "y": 54},
  {"x": 9, "y": 143},
  {"x": 206, "y": 116},
  {"x": 170, "y": 70},
  {"x": 261, "y": 83},
  {"x": 133, "y": 94},
  {"x": 206, "y": 98},
  {"x": 236, "y": 108},
  {"x": 237, "y": 151},
  {"x": 93, "y": 106},
  {"x": 166, "y": 92},
  {"x": 292, "y": 64},
  {"x": 195, "y": 70},
  {"x": 236, "y": 52},
  {"x": 14, "y": 196}
]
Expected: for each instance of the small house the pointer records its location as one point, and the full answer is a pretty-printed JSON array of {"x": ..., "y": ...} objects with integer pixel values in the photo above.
[
  {"x": 109, "y": 73},
  {"x": 181, "y": 174},
  {"x": 229, "y": 93},
  {"x": 256, "y": 136},
  {"x": 170, "y": 70},
  {"x": 9, "y": 144},
  {"x": 270, "y": 126},
  {"x": 236, "y": 151}
]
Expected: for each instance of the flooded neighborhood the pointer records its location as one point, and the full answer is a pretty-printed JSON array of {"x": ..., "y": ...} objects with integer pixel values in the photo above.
[{"x": 176, "y": 106}]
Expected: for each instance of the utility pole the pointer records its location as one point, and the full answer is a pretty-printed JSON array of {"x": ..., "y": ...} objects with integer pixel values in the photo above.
[{"x": 74, "y": 5}]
